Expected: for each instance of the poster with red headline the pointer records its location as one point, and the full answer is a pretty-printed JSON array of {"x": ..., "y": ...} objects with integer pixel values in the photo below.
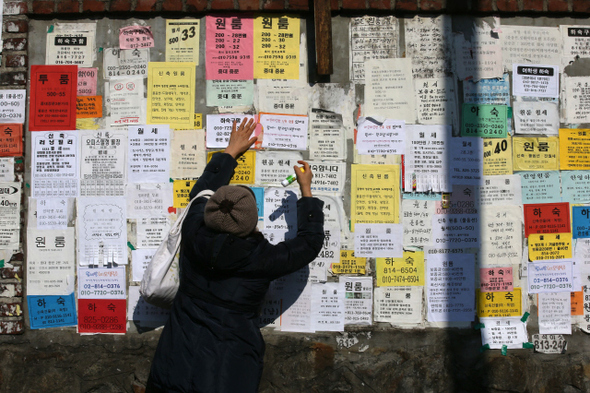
[
  {"x": 546, "y": 218},
  {"x": 102, "y": 315},
  {"x": 53, "y": 98},
  {"x": 11, "y": 140}
]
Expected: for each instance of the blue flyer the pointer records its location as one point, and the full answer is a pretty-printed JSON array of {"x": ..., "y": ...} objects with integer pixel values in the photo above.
[
  {"x": 574, "y": 186},
  {"x": 580, "y": 222},
  {"x": 540, "y": 187},
  {"x": 259, "y": 195},
  {"x": 52, "y": 311}
]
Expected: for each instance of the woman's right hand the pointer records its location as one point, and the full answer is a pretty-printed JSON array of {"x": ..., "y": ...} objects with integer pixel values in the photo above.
[{"x": 304, "y": 178}]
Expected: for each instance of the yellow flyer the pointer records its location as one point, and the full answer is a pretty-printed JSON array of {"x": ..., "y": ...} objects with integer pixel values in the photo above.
[
  {"x": 171, "y": 94},
  {"x": 182, "y": 40},
  {"x": 374, "y": 194},
  {"x": 276, "y": 47},
  {"x": 181, "y": 190},
  {"x": 197, "y": 126},
  {"x": 497, "y": 156},
  {"x": 349, "y": 264},
  {"x": 401, "y": 272},
  {"x": 535, "y": 154},
  {"x": 244, "y": 172},
  {"x": 499, "y": 304},
  {"x": 543, "y": 246},
  {"x": 574, "y": 146}
]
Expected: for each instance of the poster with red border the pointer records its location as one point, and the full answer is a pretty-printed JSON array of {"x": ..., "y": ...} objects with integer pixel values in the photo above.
[
  {"x": 102, "y": 315},
  {"x": 53, "y": 98},
  {"x": 546, "y": 218},
  {"x": 11, "y": 140}
]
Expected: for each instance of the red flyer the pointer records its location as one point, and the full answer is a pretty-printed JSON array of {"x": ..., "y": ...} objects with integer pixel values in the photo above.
[
  {"x": 11, "y": 140},
  {"x": 102, "y": 315},
  {"x": 53, "y": 98},
  {"x": 547, "y": 218}
]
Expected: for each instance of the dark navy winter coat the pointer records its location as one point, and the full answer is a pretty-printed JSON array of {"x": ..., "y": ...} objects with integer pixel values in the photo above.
[{"x": 211, "y": 342}]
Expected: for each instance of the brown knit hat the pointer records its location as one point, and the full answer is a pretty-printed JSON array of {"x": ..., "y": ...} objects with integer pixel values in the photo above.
[{"x": 232, "y": 209}]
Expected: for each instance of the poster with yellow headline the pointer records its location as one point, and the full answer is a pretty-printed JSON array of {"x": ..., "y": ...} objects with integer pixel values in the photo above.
[
  {"x": 276, "y": 47},
  {"x": 374, "y": 194},
  {"x": 574, "y": 148},
  {"x": 171, "y": 94},
  {"x": 181, "y": 190}
]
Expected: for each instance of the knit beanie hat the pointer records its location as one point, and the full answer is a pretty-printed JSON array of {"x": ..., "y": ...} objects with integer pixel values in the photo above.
[{"x": 232, "y": 209}]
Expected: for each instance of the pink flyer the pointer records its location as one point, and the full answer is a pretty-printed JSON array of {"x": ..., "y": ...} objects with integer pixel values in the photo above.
[
  {"x": 87, "y": 78},
  {"x": 136, "y": 37},
  {"x": 230, "y": 43},
  {"x": 496, "y": 279}
]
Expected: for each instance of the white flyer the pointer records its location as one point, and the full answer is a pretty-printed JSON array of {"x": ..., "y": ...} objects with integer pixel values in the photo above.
[
  {"x": 149, "y": 154},
  {"x": 102, "y": 283},
  {"x": 125, "y": 102},
  {"x": 530, "y": 44},
  {"x": 294, "y": 291},
  {"x": 499, "y": 332},
  {"x": 51, "y": 264},
  {"x": 479, "y": 57},
  {"x": 6, "y": 169},
  {"x": 429, "y": 45},
  {"x": 12, "y": 106},
  {"x": 125, "y": 63},
  {"x": 535, "y": 80},
  {"x": 371, "y": 37},
  {"x": 102, "y": 162},
  {"x": 536, "y": 117},
  {"x": 143, "y": 313},
  {"x": 555, "y": 315},
  {"x": 375, "y": 137},
  {"x": 293, "y": 100},
  {"x": 378, "y": 240},
  {"x": 450, "y": 286},
  {"x": 10, "y": 197},
  {"x": 500, "y": 190},
  {"x": 272, "y": 167},
  {"x": 436, "y": 100},
  {"x": 426, "y": 161},
  {"x": 327, "y": 135},
  {"x": 140, "y": 259},
  {"x": 219, "y": 128},
  {"x": 327, "y": 307},
  {"x": 52, "y": 213},
  {"x": 71, "y": 44},
  {"x": 551, "y": 276},
  {"x": 151, "y": 231},
  {"x": 328, "y": 176},
  {"x": 577, "y": 96},
  {"x": 387, "y": 84},
  {"x": 330, "y": 253},
  {"x": 466, "y": 161},
  {"x": 280, "y": 210},
  {"x": 287, "y": 132},
  {"x": 146, "y": 200},
  {"x": 188, "y": 157},
  {"x": 549, "y": 343},
  {"x": 398, "y": 305},
  {"x": 358, "y": 300},
  {"x": 55, "y": 164},
  {"x": 576, "y": 42},
  {"x": 102, "y": 230}
]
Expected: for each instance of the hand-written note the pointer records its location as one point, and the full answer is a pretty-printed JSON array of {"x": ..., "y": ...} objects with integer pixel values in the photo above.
[
  {"x": 378, "y": 240},
  {"x": 284, "y": 131},
  {"x": 385, "y": 138},
  {"x": 436, "y": 102},
  {"x": 136, "y": 37},
  {"x": 88, "y": 107},
  {"x": 417, "y": 222},
  {"x": 400, "y": 272},
  {"x": 87, "y": 81},
  {"x": 187, "y": 154},
  {"x": 501, "y": 235},
  {"x": 577, "y": 93},
  {"x": 429, "y": 45},
  {"x": 371, "y": 37}
]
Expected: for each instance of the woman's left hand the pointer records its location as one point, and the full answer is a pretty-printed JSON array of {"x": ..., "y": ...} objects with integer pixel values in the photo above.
[{"x": 239, "y": 140}]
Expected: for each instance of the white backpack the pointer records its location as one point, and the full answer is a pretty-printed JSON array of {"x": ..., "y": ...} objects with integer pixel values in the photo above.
[{"x": 160, "y": 280}]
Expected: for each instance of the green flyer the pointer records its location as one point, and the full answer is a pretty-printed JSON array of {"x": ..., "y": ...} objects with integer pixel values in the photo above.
[{"x": 484, "y": 120}]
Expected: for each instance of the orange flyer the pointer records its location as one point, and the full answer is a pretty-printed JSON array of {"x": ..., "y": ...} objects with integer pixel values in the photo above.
[{"x": 88, "y": 107}]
